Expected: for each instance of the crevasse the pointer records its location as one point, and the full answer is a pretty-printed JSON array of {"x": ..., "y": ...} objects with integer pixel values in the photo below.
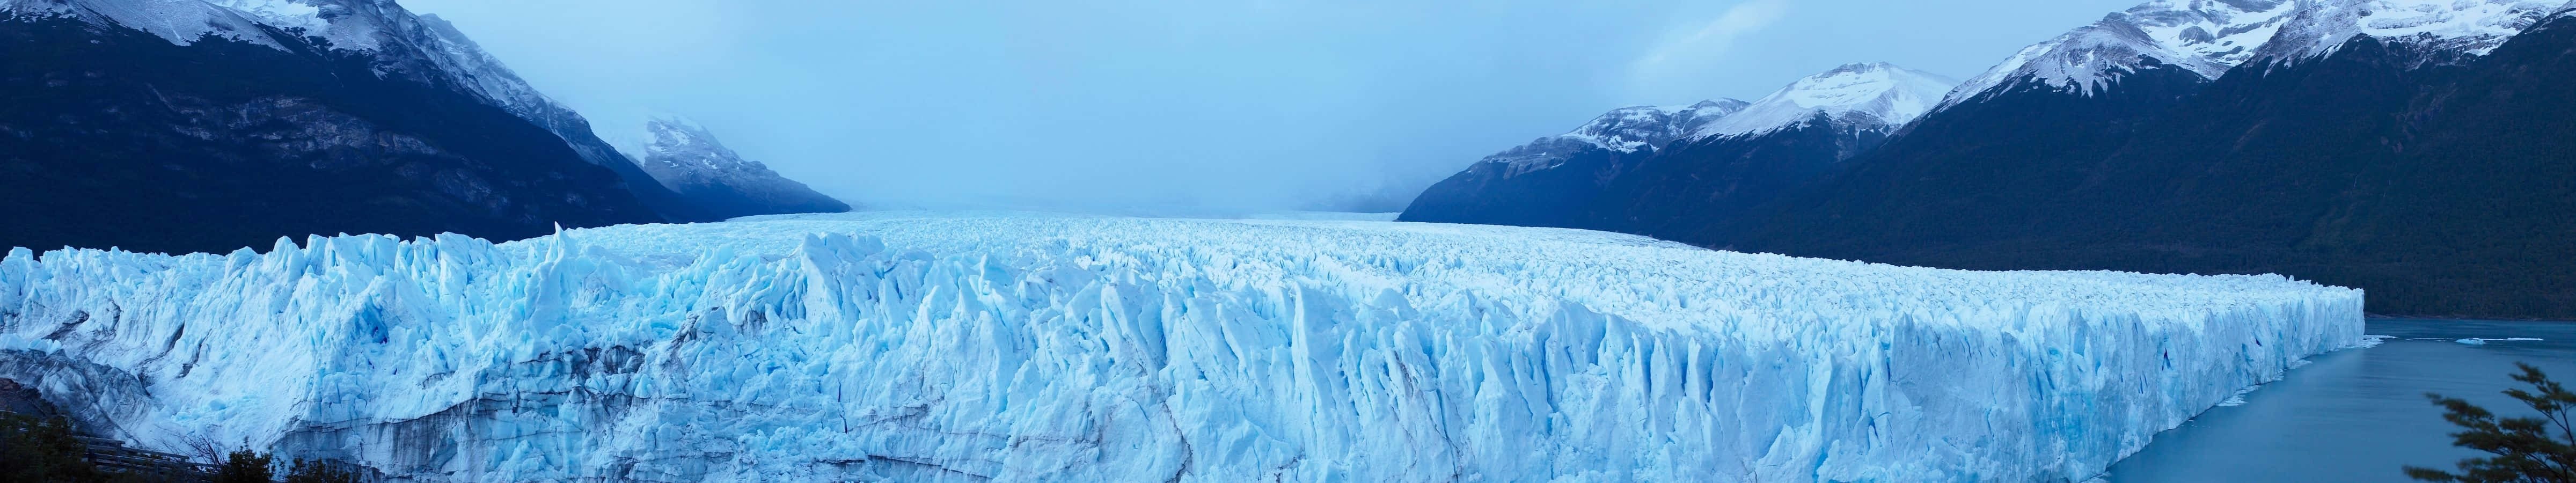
[{"x": 1016, "y": 347}]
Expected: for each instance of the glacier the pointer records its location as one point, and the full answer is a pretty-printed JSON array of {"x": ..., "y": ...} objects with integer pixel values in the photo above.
[{"x": 1031, "y": 347}]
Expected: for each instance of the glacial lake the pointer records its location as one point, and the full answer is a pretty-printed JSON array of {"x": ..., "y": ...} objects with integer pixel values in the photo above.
[{"x": 2358, "y": 415}]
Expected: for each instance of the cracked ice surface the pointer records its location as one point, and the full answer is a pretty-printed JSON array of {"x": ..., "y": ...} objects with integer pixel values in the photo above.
[{"x": 1019, "y": 347}]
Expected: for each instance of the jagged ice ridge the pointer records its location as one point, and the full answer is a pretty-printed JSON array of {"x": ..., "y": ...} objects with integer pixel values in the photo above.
[{"x": 1016, "y": 347}]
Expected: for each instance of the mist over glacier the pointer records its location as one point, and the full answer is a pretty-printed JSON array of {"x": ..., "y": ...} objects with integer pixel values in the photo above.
[
  {"x": 1123, "y": 106},
  {"x": 1027, "y": 347}
]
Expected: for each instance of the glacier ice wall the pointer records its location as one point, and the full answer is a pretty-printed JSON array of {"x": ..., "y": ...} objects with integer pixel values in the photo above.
[{"x": 1013, "y": 347}]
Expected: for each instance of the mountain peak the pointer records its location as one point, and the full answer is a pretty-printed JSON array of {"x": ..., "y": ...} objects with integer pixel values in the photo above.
[
  {"x": 1646, "y": 127},
  {"x": 1863, "y": 67},
  {"x": 2206, "y": 37},
  {"x": 2472, "y": 27},
  {"x": 1626, "y": 130},
  {"x": 666, "y": 135},
  {"x": 1875, "y": 92},
  {"x": 348, "y": 24},
  {"x": 684, "y": 156}
]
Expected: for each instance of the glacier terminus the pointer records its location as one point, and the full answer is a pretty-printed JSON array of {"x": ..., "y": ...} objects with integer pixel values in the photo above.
[{"x": 902, "y": 346}]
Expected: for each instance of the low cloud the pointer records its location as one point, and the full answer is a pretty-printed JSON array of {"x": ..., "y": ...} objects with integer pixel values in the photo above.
[{"x": 1694, "y": 46}]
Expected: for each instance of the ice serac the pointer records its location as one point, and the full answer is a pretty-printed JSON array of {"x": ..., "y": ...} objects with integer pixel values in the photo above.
[
  {"x": 1874, "y": 95},
  {"x": 2205, "y": 37},
  {"x": 967, "y": 347},
  {"x": 686, "y": 158}
]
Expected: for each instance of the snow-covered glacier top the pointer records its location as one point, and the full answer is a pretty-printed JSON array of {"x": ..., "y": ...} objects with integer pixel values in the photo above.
[
  {"x": 2206, "y": 37},
  {"x": 2472, "y": 27},
  {"x": 1865, "y": 94},
  {"x": 935, "y": 347},
  {"x": 1627, "y": 130}
]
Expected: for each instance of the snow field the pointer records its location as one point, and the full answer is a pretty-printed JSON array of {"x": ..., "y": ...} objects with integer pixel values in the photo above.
[{"x": 1018, "y": 347}]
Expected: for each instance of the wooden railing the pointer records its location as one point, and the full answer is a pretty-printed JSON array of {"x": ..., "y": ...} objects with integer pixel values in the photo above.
[{"x": 112, "y": 455}]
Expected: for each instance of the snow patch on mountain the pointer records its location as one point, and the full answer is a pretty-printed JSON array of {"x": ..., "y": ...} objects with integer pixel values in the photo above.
[
  {"x": 2209, "y": 37},
  {"x": 2471, "y": 27},
  {"x": 347, "y": 24},
  {"x": 181, "y": 22},
  {"x": 678, "y": 151},
  {"x": 1865, "y": 94},
  {"x": 2206, "y": 37},
  {"x": 1626, "y": 130},
  {"x": 683, "y": 156},
  {"x": 1648, "y": 127},
  {"x": 1017, "y": 347},
  {"x": 424, "y": 46}
]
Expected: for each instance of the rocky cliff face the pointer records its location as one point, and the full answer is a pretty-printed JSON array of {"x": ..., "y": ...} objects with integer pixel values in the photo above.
[
  {"x": 115, "y": 136},
  {"x": 192, "y": 125}
]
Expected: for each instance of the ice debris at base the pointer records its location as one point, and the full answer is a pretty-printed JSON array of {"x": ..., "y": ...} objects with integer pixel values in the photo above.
[
  {"x": 2478, "y": 341},
  {"x": 962, "y": 347},
  {"x": 1323, "y": 216}
]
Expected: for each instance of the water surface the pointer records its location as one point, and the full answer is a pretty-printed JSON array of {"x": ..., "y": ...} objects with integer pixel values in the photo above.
[{"x": 2358, "y": 415}]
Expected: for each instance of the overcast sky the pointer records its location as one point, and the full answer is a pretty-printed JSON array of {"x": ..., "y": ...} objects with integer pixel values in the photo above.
[{"x": 1222, "y": 104}]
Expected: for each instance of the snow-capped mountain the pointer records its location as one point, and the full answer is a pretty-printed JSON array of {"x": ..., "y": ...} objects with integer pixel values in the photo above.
[
  {"x": 1649, "y": 127},
  {"x": 2204, "y": 37},
  {"x": 1874, "y": 95},
  {"x": 1625, "y": 130},
  {"x": 2210, "y": 37},
  {"x": 273, "y": 119},
  {"x": 2358, "y": 147},
  {"x": 1655, "y": 171},
  {"x": 422, "y": 48},
  {"x": 2438, "y": 27},
  {"x": 689, "y": 160},
  {"x": 916, "y": 347},
  {"x": 403, "y": 106}
]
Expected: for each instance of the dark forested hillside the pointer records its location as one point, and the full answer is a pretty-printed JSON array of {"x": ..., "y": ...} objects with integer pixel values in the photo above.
[
  {"x": 2444, "y": 190},
  {"x": 114, "y": 137},
  {"x": 1675, "y": 194},
  {"x": 1491, "y": 193}
]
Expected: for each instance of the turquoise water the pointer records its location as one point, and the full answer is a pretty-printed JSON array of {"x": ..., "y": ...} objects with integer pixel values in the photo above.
[{"x": 2358, "y": 415}]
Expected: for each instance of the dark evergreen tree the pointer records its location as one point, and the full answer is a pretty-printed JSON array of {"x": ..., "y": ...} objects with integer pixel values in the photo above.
[
  {"x": 41, "y": 450},
  {"x": 321, "y": 471},
  {"x": 2527, "y": 449},
  {"x": 246, "y": 466}
]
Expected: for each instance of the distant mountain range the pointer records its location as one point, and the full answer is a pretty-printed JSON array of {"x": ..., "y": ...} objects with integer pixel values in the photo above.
[
  {"x": 195, "y": 125},
  {"x": 2422, "y": 150},
  {"x": 1658, "y": 170}
]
